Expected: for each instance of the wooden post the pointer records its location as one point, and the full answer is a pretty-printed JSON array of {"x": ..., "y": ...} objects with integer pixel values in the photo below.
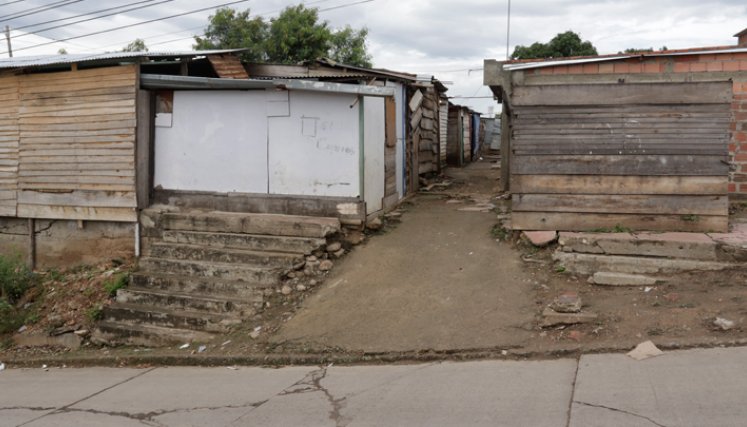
[{"x": 32, "y": 243}]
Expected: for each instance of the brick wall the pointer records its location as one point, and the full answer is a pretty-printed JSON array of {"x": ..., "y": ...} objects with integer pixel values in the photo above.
[{"x": 722, "y": 63}]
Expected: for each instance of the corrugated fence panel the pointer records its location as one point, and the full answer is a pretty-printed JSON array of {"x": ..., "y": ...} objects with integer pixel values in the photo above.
[
  {"x": 77, "y": 144},
  {"x": 649, "y": 156},
  {"x": 9, "y": 136}
]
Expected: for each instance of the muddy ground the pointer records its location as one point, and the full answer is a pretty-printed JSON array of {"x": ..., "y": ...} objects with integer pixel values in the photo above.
[{"x": 443, "y": 281}]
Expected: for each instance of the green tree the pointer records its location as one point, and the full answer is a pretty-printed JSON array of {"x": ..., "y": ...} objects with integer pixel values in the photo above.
[
  {"x": 296, "y": 35},
  {"x": 137, "y": 45},
  {"x": 62, "y": 51},
  {"x": 229, "y": 29},
  {"x": 563, "y": 45},
  {"x": 349, "y": 47}
]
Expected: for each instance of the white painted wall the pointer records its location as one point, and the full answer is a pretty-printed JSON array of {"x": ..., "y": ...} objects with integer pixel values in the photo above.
[
  {"x": 217, "y": 142},
  {"x": 374, "y": 143},
  {"x": 316, "y": 150}
]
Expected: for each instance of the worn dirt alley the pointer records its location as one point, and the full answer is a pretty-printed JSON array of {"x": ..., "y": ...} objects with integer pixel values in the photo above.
[{"x": 437, "y": 281}]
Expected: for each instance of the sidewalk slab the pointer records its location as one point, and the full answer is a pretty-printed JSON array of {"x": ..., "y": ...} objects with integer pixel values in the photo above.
[
  {"x": 485, "y": 393},
  {"x": 680, "y": 388}
]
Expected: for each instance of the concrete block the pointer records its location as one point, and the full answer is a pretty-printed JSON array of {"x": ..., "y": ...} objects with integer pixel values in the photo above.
[
  {"x": 607, "y": 278},
  {"x": 70, "y": 340},
  {"x": 255, "y": 275},
  {"x": 665, "y": 245},
  {"x": 184, "y": 252},
  {"x": 299, "y": 245},
  {"x": 265, "y": 224},
  {"x": 592, "y": 263},
  {"x": 551, "y": 317}
]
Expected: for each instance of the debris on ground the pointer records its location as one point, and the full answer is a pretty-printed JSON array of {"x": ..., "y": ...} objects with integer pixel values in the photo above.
[
  {"x": 183, "y": 346},
  {"x": 540, "y": 239},
  {"x": 2, "y": 366},
  {"x": 645, "y": 350},
  {"x": 605, "y": 278},
  {"x": 723, "y": 324}
]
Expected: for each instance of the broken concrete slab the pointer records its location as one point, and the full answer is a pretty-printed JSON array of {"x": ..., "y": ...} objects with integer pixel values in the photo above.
[
  {"x": 606, "y": 278},
  {"x": 592, "y": 263},
  {"x": 541, "y": 239},
  {"x": 697, "y": 246},
  {"x": 644, "y": 350},
  {"x": 551, "y": 317}
]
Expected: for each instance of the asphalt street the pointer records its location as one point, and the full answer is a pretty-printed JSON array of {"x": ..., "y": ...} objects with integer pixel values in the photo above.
[{"x": 704, "y": 387}]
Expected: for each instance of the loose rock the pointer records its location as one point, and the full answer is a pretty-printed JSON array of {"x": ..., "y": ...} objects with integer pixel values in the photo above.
[
  {"x": 723, "y": 324},
  {"x": 334, "y": 247},
  {"x": 286, "y": 290},
  {"x": 551, "y": 317},
  {"x": 300, "y": 288},
  {"x": 355, "y": 237},
  {"x": 568, "y": 302},
  {"x": 375, "y": 224},
  {"x": 541, "y": 238},
  {"x": 339, "y": 253},
  {"x": 326, "y": 265}
]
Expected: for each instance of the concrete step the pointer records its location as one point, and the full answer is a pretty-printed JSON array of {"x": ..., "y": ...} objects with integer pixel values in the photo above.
[
  {"x": 114, "y": 333},
  {"x": 591, "y": 263},
  {"x": 135, "y": 314},
  {"x": 240, "y": 223},
  {"x": 296, "y": 245},
  {"x": 246, "y": 291},
  {"x": 191, "y": 302},
  {"x": 696, "y": 246},
  {"x": 184, "y": 252},
  {"x": 251, "y": 274}
]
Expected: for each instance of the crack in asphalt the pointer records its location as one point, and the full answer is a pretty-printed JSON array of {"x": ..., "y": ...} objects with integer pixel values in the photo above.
[
  {"x": 312, "y": 383},
  {"x": 622, "y": 411}
]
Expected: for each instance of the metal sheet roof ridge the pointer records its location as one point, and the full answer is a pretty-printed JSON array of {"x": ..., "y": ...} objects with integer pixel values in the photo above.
[
  {"x": 516, "y": 66},
  {"x": 49, "y": 60},
  {"x": 383, "y": 71},
  {"x": 542, "y": 64}
]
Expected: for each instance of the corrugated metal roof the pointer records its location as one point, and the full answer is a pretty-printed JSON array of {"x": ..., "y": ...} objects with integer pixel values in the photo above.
[
  {"x": 49, "y": 60},
  {"x": 573, "y": 61}
]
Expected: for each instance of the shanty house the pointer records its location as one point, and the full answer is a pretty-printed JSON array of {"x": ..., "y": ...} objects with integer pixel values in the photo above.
[
  {"x": 89, "y": 141},
  {"x": 647, "y": 141}
]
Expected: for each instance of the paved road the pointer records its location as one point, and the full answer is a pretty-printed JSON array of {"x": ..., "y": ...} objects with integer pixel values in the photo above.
[{"x": 687, "y": 388}]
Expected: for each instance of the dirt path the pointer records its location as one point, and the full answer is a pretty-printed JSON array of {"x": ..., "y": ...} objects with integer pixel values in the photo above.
[{"x": 439, "y": 281}]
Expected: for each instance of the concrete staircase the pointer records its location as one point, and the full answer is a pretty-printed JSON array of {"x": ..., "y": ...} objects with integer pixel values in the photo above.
[
  {"x": 623, "y": 259},
  {"x": 203, "y": 272}
]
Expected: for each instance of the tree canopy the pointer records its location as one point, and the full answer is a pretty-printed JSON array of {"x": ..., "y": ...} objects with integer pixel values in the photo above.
[
  {"x": 563, "y": 45},
  {"x": 296, "y": 35},
  {"x": 137, "y": 45}
]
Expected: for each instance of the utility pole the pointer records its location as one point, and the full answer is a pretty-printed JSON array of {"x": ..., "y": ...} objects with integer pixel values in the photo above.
[
  {"x": 508, "y": 30},
  {"x": 7, "y": 38}
]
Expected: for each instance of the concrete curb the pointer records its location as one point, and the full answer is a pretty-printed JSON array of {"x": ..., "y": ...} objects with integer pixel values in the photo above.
[{"x": 279, "y": 360}]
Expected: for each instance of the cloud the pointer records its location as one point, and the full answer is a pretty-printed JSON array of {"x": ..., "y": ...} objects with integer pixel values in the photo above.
[{"x": 425, "y": 36}]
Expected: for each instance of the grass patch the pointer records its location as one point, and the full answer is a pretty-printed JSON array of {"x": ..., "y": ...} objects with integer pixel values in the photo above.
[
  {"x": 15, "y": 279},
  {"x": 116, "y": 282},
  {"x": 690, "y": 218},
  {"x": 618, "y": 228},
  {"x": 499, "y": 232}
]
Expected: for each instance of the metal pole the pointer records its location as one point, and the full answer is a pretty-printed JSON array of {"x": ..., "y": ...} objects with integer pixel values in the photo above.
[
  {"x": 32, "y": 243},
  {"x": 7, "y": 39},
  {"x": 508, "y": 30}
]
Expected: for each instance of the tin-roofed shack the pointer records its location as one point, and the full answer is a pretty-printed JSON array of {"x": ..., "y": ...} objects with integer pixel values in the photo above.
[
  {"x": 648, "y": 141},
  {"x": 87, "y": 142}
]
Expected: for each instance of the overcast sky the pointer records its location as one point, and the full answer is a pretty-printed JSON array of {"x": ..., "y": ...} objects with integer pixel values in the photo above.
[{"x": 445, "y": 38}]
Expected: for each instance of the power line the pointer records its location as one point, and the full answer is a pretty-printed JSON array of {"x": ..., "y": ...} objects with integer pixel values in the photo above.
[
  {"x": 92, "y": 18},
  {"x": 38, "y": 9},
  {"x": 133, "y": 25},
  {"x": 11, "y": 2},
  {"x": 81, "y": 15},
  {"x": 202, "y": 26}
]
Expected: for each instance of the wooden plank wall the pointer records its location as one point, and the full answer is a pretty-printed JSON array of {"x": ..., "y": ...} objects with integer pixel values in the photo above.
[
  {"x": 467, "y": 134},
  {"x": 642, "y": 156},
  {"x": 77, "y": 144},
  {"x": 454, "y": 136},
  {"x": 9, "y": 136},
  {"x": 429, "y": 140}
]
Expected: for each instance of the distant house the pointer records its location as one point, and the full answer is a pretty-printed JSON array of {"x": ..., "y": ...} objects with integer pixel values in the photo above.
[
  {"x": 88, "y": 141},
  {"x": 648, "y": 141}
]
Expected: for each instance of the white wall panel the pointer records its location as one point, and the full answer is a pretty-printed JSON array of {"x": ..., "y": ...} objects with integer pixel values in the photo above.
[
  {"x": 217, "y": 142},
  {"x": 374, "y": 143},
  {"x": 316, "y": 150}
]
